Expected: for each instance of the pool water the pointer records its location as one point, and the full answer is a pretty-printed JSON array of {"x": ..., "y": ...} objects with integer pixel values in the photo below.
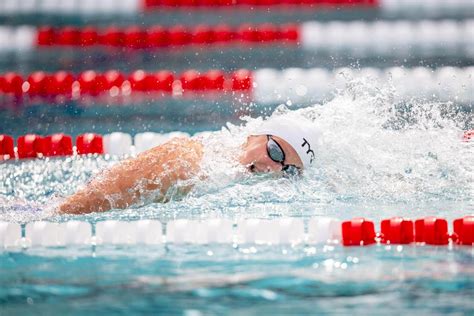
[
  {"x": 380, "y": 156},
  {"x": 378, "y": 159},
  {"x": 216, "y": 280}
]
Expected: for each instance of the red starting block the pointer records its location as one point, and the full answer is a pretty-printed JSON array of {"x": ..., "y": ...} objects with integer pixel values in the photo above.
[
  {"x": 89, "y": 144},
  {"x": 432, "y": 231},
  {"x": 358, "y": 232},
  {"x": 464, "y": 230},
  {"x": 397, "y": 230}
]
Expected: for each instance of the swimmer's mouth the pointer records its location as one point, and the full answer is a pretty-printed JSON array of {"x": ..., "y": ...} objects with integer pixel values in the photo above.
[{"x": 251, "y": 168}]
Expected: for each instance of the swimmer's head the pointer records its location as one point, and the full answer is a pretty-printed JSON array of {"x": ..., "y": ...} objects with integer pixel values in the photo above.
[{"x": 297, "y": 138}]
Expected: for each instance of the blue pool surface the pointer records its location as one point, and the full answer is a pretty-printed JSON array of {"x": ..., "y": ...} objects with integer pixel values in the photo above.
[
  {"x": 379, "y": 160},
  {"x": 253, "y": 280}
]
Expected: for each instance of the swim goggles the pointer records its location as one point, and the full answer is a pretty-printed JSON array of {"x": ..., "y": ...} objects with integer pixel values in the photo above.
[{"x": 276, "y": 153}]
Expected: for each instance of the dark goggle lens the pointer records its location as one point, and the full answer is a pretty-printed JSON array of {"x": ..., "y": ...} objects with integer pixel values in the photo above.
[{"x": 274, "y": 151}]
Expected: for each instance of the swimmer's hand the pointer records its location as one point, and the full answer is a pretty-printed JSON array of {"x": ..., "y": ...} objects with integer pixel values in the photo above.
[{"x": 151, "y": 173}]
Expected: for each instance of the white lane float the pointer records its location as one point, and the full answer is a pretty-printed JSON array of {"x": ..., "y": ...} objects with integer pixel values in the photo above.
[
  {"x": 10, "y": 235},
  {"x": 112, "y": 232},
  {"x": 49, "y": 234}
]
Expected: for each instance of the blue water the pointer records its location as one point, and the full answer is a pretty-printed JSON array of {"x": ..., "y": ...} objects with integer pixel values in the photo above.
[
  {"x": 217, "y": 280},
  {"x": 380, "y": 159}
]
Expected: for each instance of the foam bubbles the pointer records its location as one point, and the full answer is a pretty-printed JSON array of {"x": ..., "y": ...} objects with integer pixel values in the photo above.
[{"x": 377, "y": 153}]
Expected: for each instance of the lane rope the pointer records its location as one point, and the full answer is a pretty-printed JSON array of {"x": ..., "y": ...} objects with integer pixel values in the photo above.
[
  {"x": 131, "y": 7},
  {"x": 128, "y": 7},
  {"x": 284, "y": 231},
  {"x": 361, "y": 38},
  {"x": 263, "y": 86}
]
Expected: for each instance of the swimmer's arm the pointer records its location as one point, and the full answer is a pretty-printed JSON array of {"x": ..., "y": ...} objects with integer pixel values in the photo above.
[{"x": 124, "y": 184}]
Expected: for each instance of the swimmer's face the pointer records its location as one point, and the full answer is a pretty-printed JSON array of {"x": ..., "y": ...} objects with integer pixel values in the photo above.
[{"x": 255, "y": 155}]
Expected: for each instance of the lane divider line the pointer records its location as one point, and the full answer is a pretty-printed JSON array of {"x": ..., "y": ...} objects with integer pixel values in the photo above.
[
  {"x": 283, "y": 231},
  {"x": 133, "y": 7},
  {"x": 42, "y": 85},
  {"x": 263, "y": 86},
  {"x": 356, "y": 38}
]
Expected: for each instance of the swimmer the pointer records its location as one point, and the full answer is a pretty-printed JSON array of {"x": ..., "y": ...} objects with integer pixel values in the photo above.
[{"x": 281, "y": 145}]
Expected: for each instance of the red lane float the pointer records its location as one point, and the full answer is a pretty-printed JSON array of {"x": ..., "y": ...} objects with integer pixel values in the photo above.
[
  {"x": 242, "y": 80},
  {"x": 141, "y": 81},
  {"x": 89, "y": 144},
  {"x": 11, "y": 83},
  {"x": 113, "y": 79},
  {"x": 397, "y": 230},
  {"x": 464, "y": 230},
  {"x": 135, "y": 37},
  {"x": 432, "y": 231},
  {"x": 62, "y": 83},
  {"x": 58, "y": 145},
  {"x": 402, "y": 231},
  {"x": 468, "y": 135},
  {"x": 31, "y": 146},
  {"x": 358, "y": 232},
  {"x": 92, "y": 83},
  {"x": 38, "y": 83},
  {"x": 36, "y": 146},
  {"x": 6, "y": 147}
]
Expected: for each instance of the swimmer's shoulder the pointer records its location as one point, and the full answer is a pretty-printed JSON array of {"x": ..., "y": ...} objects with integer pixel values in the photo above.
[
  {"x": 186, "y": 144},
  {"x": 182, "y": 147}
]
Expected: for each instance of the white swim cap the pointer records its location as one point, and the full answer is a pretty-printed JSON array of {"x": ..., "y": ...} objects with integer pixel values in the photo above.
[{"x": 301, "y": 133}]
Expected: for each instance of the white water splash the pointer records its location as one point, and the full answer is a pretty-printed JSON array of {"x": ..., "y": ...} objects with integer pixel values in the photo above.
[{"x": 374, "y": 152}]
